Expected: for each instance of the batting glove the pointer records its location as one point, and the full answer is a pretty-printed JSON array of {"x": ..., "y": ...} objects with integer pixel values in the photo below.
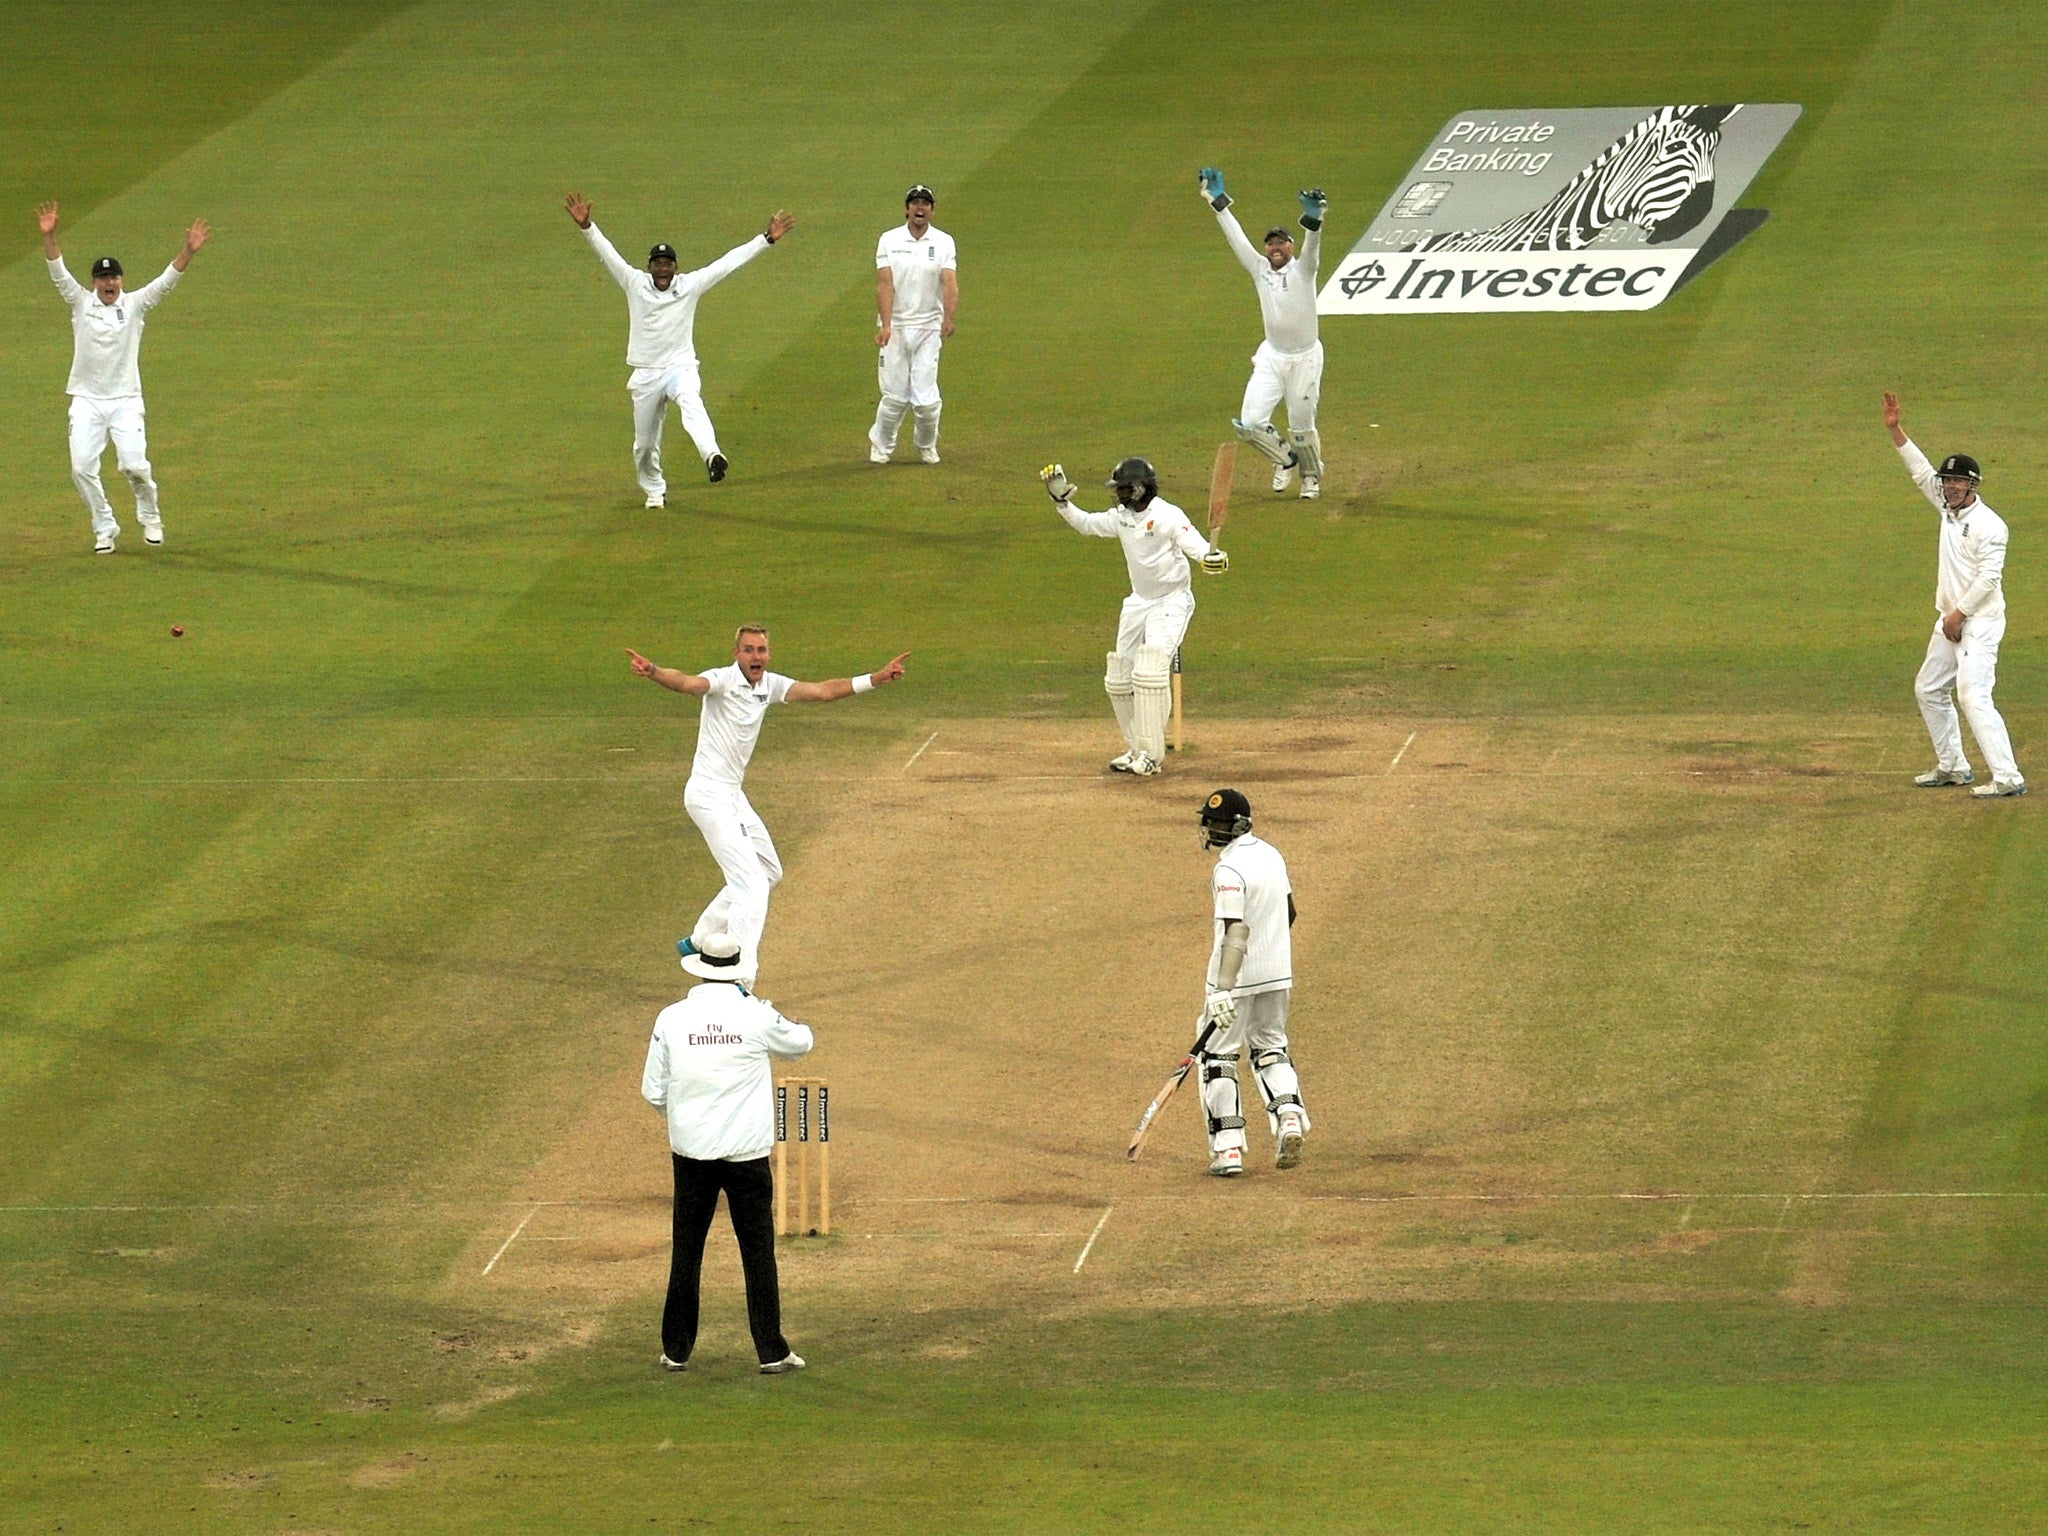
[
  {"x": 1212, "y": 188},
  {"x": 1221, "y": 1011},
  {"x": 1313, "y": 206},
  {"x": 1057, "y": 485},
  {"x": 1215, "y": 563}
]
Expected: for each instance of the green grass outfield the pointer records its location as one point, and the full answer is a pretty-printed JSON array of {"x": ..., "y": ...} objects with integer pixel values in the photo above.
[{"x": 304, "y": 918}]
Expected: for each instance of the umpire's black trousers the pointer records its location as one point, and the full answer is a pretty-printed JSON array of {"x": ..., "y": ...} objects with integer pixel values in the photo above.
[{"x": 750, "y": 1202}]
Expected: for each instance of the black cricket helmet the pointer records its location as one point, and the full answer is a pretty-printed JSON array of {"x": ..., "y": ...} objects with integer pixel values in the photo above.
[
  {"x": 1134, "y": 475},
  {"x": 1226, "y": 816},
  {"x": 1960, "y": 465}
]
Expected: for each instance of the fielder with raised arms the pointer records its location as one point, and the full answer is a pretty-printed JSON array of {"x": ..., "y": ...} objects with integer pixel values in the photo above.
[
  {"x": 106, "y": 377},
  {"x": 736, "y": 698},
  {"x": 1250, "y": 981},
  {"x": 1289, "y": 362},
  {"x": 1158, "y": 542},
  {"x": 661, "y": 346},
  {"x": 1969, "y": 604},
  {"x": 917, "y": 291}
]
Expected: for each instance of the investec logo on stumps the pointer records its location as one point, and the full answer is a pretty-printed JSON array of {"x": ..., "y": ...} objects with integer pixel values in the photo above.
[{"x": 1573, "y": 208}]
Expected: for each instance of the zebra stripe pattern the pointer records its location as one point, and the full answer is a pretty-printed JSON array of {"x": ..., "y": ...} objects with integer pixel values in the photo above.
[{"x": 1658, "y": 177}]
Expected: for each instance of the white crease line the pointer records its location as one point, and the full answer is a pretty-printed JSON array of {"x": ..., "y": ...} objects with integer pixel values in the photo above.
[
  {"x": 920, "y": 752},
  {"x": 1772, "y": 1246},
  {"x": 511, "y": 1240},
  {"x": 1401, "y": 754},
  {"x": 1089, "y": 1246}
]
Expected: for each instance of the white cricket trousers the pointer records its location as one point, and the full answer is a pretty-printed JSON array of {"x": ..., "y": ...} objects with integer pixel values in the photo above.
[
  {"x": 1963, "y": 671},
  {"x": 908, "y": 371},
  {"x": 1261, "y": 1024},
  {"x": 95, "y": 423},
  {"x": 1160, "y": 621},
  {"x": 745, "y": 855},
  {"x": 1295, "y": 377},
  {"x": 652, "y": 389}
]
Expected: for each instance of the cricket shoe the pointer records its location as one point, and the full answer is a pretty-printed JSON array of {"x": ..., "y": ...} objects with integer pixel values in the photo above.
[
  {"x": 1122, "y": 762},
  {"x": 929, "y": 455},
  {"x": 674, "y": 1365},
  {"x": 103, "y": 545},
  {"x": 1283, "y": 477},
  {"x": 1227, "y": 1164},
  {"x": 656, "y": 503},
  {"x": 877, "y": 455},
  {"x": 1998, "y": 789},
  {"x": 1311, "y": 487},
  {"x": 716, "y": 466},
  {"x": 1942, "y": 778},
  {"x": 1288, "y": 1153},
  {"x": 783, "y": 1367},
  {"x": 153, "y": 534},
  {"x": 1143, "y": 764}
]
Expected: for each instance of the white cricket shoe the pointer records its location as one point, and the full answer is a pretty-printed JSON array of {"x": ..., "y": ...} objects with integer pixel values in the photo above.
[
  {"x": 929, "y": 455},
  {"x": 103, "y": 545},
  {"x": 153, "y": 533},
  {"x": 673, "y": 1365},
  {"x": 656, "y": 503},
  {"x": 1143, "y": 765},
  {"x": 1942, "y": 778},
  {"x": 1288, "y": 1153},
  {"x": 1311, "y": 487},
  {"x": 1228, "y": 1163},
  {"x": 1998, "y": 789},
  {"x": 877, "y": 455},
  {"x": 1283, "y": 477},
  {"x": 792, "y": 1362},
  {"x": 1122, "y": 762}
]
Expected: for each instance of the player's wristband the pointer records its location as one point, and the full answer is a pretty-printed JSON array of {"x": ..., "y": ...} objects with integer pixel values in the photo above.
[
  {"x": 1311, "y": 224},
  {"x": 865, "y": 683},
  {"x": 1219, "y": 203}
]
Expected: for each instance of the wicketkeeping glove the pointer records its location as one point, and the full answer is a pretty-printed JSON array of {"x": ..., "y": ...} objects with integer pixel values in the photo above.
[
  {"x": 1220, "y": 1011},
  {"x": 1057, "y": 485},
  {"x": 1313, "y": 206},
  {"x": 1212, "y": 188},
  {"x": 1215, "y": 563}
]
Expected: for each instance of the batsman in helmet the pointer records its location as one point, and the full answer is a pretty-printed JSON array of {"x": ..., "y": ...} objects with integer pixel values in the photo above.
[
  {"x": 1251, "y": 979},
  {"x": 1159, "y": 542}
]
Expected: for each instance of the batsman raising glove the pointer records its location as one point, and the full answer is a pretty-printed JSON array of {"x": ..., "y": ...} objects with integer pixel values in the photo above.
[
  {"x": 1215, "y": 563},
  {"x": 1057, "y": 485},
  {"x": 1313, "y": 206},
  {"x": 1212, "y": 188}
]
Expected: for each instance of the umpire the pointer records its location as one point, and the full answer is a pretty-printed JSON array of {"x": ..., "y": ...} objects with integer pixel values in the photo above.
[{"x": 708, "y": 1070}]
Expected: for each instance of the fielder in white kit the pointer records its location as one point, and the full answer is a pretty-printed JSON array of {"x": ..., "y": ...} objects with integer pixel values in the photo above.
[
  {"x": 736, "y": 698},
  {"x": 661, "y": 346},
  {"x": 1251, "y": 982},
  {"x": 106, "y": 377},
  {"x": 1969, "y": 599},
  {"x": 1289, "y": 362},
  {"x": 1158, "y": 542},
  {"x": 917, "y": 290}
]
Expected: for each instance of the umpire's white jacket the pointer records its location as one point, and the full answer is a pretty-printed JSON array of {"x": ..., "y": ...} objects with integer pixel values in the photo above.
[{"x": 708, "y": 1067}]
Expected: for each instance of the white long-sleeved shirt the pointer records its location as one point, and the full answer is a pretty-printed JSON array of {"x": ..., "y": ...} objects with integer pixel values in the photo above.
[
  {"x": 1971, "y": 573},
  {"x": 709, "y": 1070},
  {"x": 1287, "y": 297},
  {"x": 664, "y": 319},
  {"x": 729, "y": 724},
  {"x": 916, "y": 264},
  {"x": 1250, "y": 886},
  {"x": 106, "y": 339},
  {"x": 1158, "y": 543}
]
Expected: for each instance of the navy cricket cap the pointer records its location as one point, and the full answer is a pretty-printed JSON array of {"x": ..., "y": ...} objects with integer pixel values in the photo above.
[
  {"x": 1960, "y": 466},
  {"x": 106, "y": 266},
  {"x": 918, "y": 194},
  {"x": 662, "y": 252},
  {"x": 1278, "y": 232}
]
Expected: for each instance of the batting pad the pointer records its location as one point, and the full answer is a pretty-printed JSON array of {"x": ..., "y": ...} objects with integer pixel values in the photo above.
[
  {"x": 1266, "y": 440},
  {"x": 1151, "y": 698},
  {"x": 1116, "y": 682},
  {"x": 1308, "y": 448}
]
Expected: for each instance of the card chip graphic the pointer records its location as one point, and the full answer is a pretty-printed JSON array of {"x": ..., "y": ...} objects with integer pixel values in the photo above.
[{"x": 1420, "y": 200}]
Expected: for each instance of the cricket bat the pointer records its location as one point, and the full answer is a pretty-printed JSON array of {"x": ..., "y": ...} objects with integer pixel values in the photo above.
[
  {"x": 1180, "y": 1075},
  {"x": 1220, "y": 476}
]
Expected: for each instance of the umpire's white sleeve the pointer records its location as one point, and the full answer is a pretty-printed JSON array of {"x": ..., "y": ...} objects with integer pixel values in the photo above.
[
  {"x": 786, "y": 1037},
  {"x": 654, "y": 1081}
]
